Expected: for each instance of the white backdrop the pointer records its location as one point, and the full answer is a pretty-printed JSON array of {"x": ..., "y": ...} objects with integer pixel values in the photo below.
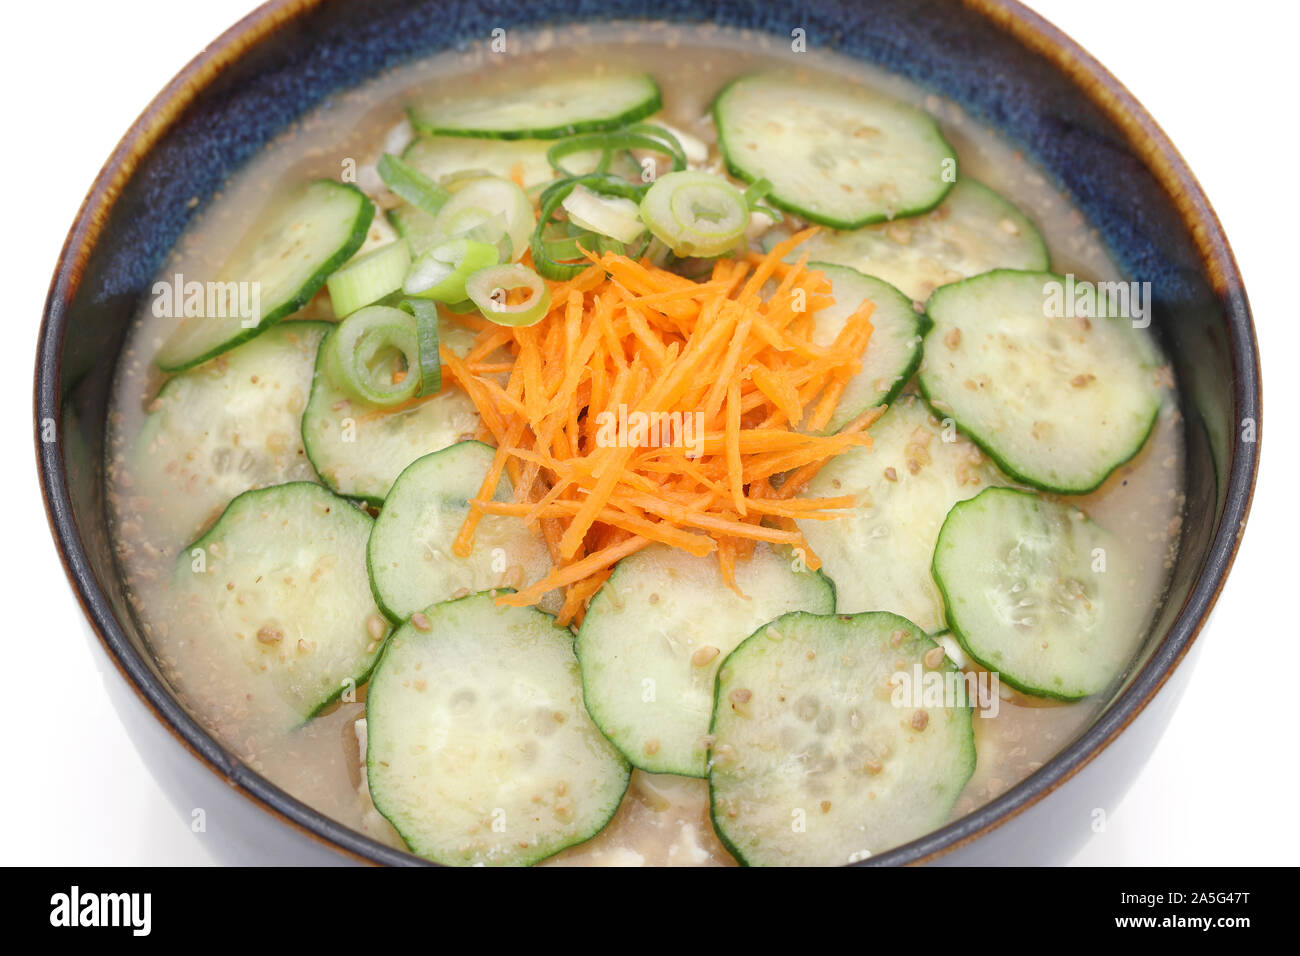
[{"x": 1218, "y": 791}]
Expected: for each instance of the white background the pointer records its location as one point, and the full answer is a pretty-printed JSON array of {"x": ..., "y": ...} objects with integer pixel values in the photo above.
[{"x": 1219, "y": 78}]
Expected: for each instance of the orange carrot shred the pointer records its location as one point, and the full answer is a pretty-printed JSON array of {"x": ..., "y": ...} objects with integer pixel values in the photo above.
[{"x": 647, "y": 408}]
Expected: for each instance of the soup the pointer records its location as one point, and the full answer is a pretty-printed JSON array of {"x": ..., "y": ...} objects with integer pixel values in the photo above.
[{"x": 643, "y": 446}]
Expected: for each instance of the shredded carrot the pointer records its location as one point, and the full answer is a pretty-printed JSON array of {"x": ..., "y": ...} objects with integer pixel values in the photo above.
[{"x": 647, "y": 408}]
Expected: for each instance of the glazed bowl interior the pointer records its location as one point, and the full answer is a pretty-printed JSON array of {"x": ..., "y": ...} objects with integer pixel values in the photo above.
[{"x": 1005, "y": 66}]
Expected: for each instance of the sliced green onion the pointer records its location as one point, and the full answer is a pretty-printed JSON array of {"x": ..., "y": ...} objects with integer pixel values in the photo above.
[
  {"x": 639, "y": 136},
  {"x": 553, "y": 267},
  {"x": 754, "y": 197},
  {"x": 460, "y": 308},
  {"x": 757, "y": 191},
  {"x": 490, "y": 195},
  {"x": 374, "y": 356},
  {"x": 479, "y": 225},
  {"x": 411, "y": 184},
  {"x": 440, "y": 273},
  {"x": 426, "y": 334},
  {"x": 368, "y": 278},
  {"x": 695, "y": 214},
  {"x": 570, "y": 248},
  {"x": 488, "y": 289},
  {"x": 415, "y": 226},
  {"x": 611, "y": 216}
]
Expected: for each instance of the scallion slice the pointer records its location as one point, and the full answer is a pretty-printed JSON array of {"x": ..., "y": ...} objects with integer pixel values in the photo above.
[
  {"x": 645, "y": 136},
  {"x": 489, "y": 289},
  {"x": 482, "y": 199},
  {"x": 460, "y": 308},
  {"x": 368, "y": 278},
  {"x": 695, "y": 214},
  {"x": 374, "y": 356},
  {"x": 554, "y": 266},
  {"x": 612, "y": 216},
  {"x": 412, "y": 185},
  {"x": 426, "y": 334},
  {"x": 440, "y": 273}
]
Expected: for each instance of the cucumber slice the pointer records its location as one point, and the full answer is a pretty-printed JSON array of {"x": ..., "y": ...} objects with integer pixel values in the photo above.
[
  {"x": 837, "y": 155},
  {"x": 280, "y": 582},
  {"x": 972, "y": 231},
  {"x": 359, "y": 449},
  {"x": 1038, "y": 593},
  {"x": 440, "y": 157},
  {"x": 823, "y": 753},
  {"x": 1058, "y": 403},
  {"x": 410, "y": 558},
  {"x": 226, "y": 427},
  {"x": 546, "y": 110},
  {"x": 878, "y": 554},
  {"x": 479, "y": 750},
  {"x": 894, "y": 352},
  {"x": 285, "y": 259},
  {"x": 655, "y": 634}
]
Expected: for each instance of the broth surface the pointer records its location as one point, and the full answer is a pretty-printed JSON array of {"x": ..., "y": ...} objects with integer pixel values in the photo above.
[{"x": 663, "y": 820}]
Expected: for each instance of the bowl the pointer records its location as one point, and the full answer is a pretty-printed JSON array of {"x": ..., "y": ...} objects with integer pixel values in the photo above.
[{"x": 1001, "y": 62}]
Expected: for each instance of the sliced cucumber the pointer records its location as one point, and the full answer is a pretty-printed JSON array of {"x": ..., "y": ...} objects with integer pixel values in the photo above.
[
  {"x": 284, "y": 260},
  {"x": 655, "y": 634},
  {"x": 547, "y": 110},
  {"x": 410, "y": 557},
  {"x": 972, "y": 231},
  {"x": 225, "y": 427},
  {"x": 479, "y": 750},
  {"x": 1038, "y": 593},
  {"x": 1059, "y": 403},
  {"x": 441, "y": 157},
  {"x": 878, "y": 554},
  {"x": 823, "y": 752},
  {"x": 278, "y": 586},
  {"x": 838, "y": 155},
  {"x": 894, "y": 351},
  {"x": 358, "y": 449}
]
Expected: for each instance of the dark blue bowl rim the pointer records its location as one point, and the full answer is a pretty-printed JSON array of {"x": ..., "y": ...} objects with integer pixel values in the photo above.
[{"x": 1027, "y": 28}]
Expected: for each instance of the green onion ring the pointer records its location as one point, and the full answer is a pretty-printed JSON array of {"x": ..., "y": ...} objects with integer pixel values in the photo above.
[
  {"x": 640, "y": 136},
  {"x": 695, "y": 214},
  {"x": 551, "y": 199},
  {"x": 426, "y": 334},
  {"x": 358, "y": 353},
  {"x": 487, "y": 289},
  {"x": 411, "y": 184},
  {"x": 440, "y": 273}
]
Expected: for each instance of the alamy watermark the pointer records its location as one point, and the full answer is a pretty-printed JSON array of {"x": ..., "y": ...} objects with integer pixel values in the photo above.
[
  {"x": 128, "y": 910},
  {"x": 1082, "y": 299},
  {"x": 176, "y": 298},
  {"x": 624, "y": 429},
  {"x": 923, "y": 689}
]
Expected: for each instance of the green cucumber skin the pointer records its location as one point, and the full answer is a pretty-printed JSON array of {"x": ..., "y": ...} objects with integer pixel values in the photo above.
[
  {"x": 360, "y": 227},
  {"x": 307, "y": 446},
  {"x": 640, "y": 761},
  {"x": 201, "y": 542},
  {"x": 955, "y": 628},
  {"x": 987, "y": 447},
  {"x": 370, "y": 567},
  {"x": 970, "y": 750},
  {"x": 833, "y": 223},
  {"x": 921, "y": 328},
  {"x": 627, "y": 777},
  {"x": 650, "y": 106}
]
